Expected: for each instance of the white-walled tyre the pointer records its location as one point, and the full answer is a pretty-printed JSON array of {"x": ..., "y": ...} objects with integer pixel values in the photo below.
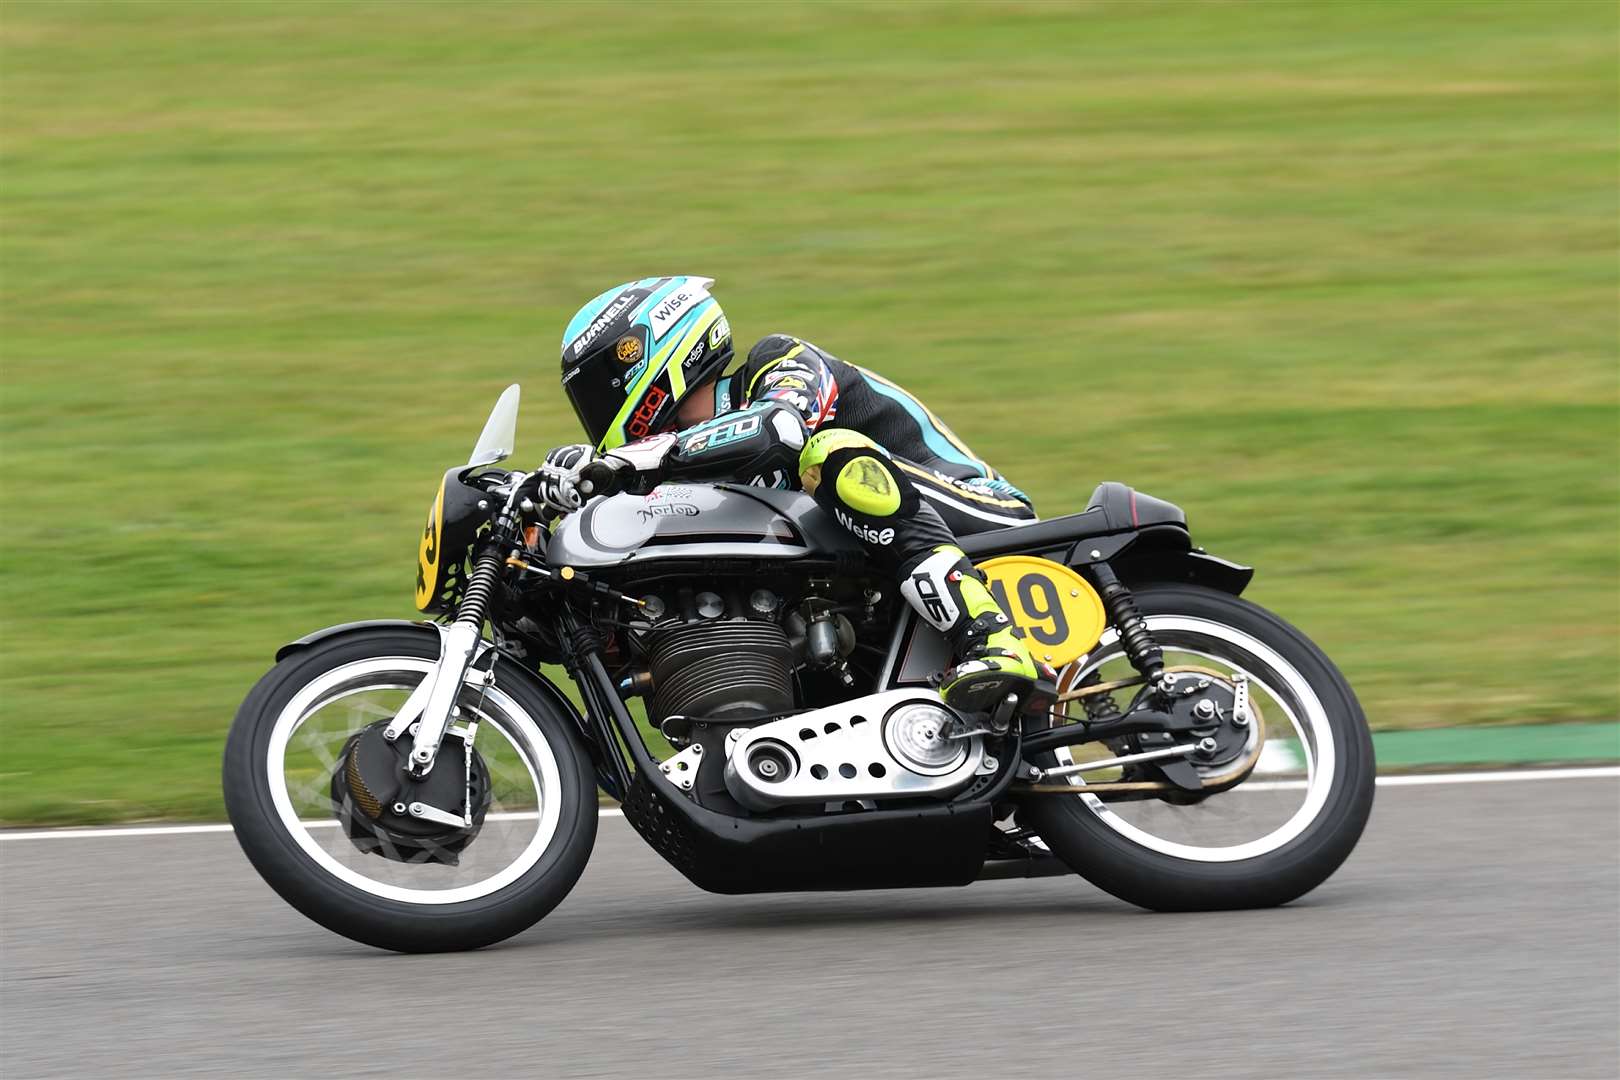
[
  {"x": 1270, "y": 839},
  {"x": 288, "y": 737}
]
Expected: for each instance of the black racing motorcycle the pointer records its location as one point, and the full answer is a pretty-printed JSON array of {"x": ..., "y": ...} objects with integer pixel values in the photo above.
[{"x": 760, "y": 702}]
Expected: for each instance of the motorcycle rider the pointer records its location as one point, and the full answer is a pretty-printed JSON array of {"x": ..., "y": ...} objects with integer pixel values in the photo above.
[{"x": 644, "y": 366}]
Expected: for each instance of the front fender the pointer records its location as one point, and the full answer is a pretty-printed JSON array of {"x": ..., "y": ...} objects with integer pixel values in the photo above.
[{"x": 317, "y": 636}]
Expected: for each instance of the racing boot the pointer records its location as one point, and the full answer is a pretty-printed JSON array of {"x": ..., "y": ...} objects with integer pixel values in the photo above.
[{"x": 991, "y": 661}]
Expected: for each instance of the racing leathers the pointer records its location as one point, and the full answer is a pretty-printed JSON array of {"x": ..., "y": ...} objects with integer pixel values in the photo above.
[{"x": 885, "y": 468}]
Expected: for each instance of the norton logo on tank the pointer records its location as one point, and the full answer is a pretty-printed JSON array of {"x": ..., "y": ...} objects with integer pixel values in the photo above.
[
  {"x": 668, "y": 509},
  {"x": 667, "y": 501}
]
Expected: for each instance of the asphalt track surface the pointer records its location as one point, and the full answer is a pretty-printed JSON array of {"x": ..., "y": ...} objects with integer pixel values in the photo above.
[{"x": 1474, "y": 933}]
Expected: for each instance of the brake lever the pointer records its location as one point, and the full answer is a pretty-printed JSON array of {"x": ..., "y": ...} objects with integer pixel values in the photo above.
[{"x": 513, "y": 483}]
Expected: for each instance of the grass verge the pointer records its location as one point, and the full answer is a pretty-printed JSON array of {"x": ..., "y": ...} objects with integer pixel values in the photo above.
[{"x": 1338, "y": 278}]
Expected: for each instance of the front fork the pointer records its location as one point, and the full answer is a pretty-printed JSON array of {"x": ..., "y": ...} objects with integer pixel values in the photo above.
[{"x": 431, "y": 707}]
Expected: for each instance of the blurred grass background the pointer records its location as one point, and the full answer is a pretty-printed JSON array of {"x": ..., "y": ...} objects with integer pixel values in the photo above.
[{"x": 1340, "y": 279}]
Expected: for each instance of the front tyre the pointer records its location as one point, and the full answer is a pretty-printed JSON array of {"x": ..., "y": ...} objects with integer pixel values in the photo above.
[
  {"x": 289, "y": 736},
  {"x": 1270, "y": 839}
]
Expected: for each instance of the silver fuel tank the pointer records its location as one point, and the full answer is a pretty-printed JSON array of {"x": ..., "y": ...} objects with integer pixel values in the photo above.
[{"x": 696, "y": 521}]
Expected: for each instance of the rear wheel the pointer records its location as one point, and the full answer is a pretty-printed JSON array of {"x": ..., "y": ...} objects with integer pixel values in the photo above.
[
  {"x": 1267, "y": 840},
  {"x": 530, "y": 786}
]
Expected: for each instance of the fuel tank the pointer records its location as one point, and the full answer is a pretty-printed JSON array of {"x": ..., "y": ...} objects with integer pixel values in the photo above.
[{"x": 697, "y": 521}]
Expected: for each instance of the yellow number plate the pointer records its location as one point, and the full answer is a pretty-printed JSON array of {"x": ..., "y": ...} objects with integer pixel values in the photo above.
[
  {"x": 428, "y": 553},
  {"x": 1056, "y": 611}
]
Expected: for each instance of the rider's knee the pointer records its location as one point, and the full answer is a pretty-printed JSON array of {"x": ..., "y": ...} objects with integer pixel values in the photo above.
[{"x": 867, "y": 484}]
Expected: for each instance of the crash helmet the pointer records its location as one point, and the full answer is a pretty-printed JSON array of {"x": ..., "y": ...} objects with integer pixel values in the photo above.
[{"x": 633, "y": 353}]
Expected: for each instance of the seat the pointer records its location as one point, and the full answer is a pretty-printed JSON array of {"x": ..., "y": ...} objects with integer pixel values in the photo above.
[
  {"x": 1058, "y": 532},
  {"x": 1112, "y": 508}
]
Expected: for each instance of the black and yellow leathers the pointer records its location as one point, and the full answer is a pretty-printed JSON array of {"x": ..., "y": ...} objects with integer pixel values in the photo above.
[
  {"x": 796, "y": 417},
  {"x": 828, "y": 393}
]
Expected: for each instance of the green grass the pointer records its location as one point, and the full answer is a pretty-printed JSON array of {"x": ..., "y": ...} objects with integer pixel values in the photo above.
[{"x": 1340, "y": 279}]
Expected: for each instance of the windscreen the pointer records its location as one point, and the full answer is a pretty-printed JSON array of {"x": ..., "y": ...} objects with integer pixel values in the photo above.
[{"x": 500, "y": 430}]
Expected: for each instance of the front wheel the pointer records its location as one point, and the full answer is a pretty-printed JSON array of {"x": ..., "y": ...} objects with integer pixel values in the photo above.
[
  {"x": 1268, "y": 840},
  {"x": 292, "y": 801}
]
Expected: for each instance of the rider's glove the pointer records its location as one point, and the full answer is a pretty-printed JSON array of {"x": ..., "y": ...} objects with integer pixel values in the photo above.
[{"x": 558, "y": 482}]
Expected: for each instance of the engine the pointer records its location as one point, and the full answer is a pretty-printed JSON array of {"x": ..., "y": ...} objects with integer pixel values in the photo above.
[
  {"x": 732, "y": 657},
  {"x": 764, "y": 700},
  {"x": 737, "y": 668},
  {"x": 759, "y": 650}
]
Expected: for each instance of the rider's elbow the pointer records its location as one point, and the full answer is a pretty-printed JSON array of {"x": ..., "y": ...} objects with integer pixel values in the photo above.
[{"x": 787, "y": 424}]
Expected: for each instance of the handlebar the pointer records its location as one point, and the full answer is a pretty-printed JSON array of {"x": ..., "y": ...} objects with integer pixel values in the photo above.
[{"x": 600, "y": 477}]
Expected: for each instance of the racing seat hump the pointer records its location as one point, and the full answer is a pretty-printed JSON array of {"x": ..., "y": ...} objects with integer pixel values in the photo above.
[
  {"x": 1127, "y": 508},
  {"x": 1112, "y": 508}
]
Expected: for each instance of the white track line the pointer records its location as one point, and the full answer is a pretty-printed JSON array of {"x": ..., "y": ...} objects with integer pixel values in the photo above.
[
  {"x": 1397, "y": 780},
  {"x": 182, "y": 830},
  {"x": 1504, "y": 776}
]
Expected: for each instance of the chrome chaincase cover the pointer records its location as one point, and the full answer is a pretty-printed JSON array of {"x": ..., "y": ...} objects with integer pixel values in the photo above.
[{"x": 892, "y": 745}]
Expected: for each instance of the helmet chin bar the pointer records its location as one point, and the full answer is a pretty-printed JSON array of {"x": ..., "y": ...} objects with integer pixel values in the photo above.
[{"x": 893, "y": 745}]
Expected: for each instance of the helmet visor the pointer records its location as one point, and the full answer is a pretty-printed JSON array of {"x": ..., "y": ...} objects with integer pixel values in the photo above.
[{"x": 595, "y": 404}]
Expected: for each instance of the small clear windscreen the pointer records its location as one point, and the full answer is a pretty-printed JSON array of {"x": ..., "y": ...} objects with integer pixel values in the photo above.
[{"x": 500, "y": 430}]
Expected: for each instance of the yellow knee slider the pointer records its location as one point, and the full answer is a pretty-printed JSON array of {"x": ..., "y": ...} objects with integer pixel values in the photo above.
[{"x": 821, "y": 445}]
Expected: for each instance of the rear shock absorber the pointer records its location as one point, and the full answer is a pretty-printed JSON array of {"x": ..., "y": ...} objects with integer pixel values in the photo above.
[{"x": 1140, "y": 648}]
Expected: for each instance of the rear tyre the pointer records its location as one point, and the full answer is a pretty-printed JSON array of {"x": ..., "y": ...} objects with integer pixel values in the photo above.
[
  {"x": 1115, "y": 854},
  {"x": 399, "y": 905}
]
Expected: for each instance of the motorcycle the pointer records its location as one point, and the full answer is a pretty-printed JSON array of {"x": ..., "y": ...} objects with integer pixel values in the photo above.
[{"x": 762, "y": 705}]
